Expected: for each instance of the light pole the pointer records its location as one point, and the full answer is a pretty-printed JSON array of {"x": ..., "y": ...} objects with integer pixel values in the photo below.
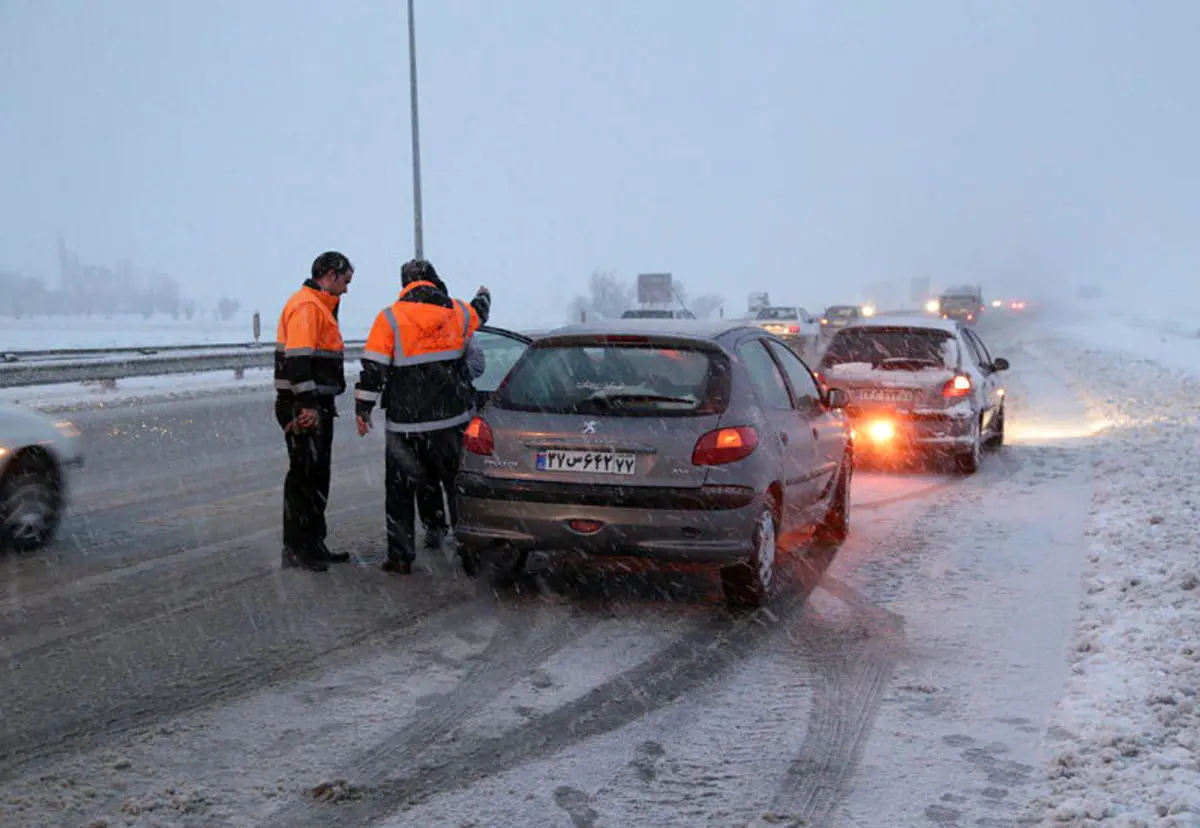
[{"x": 418, "y": 234}]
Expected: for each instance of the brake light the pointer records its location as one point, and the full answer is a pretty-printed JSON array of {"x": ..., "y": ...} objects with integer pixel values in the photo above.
[
  {"x": 725, "y": 445},
  {"x": 960, "y": 386},
  {"x": 794, "y": 329},
  {"x": 624, "y": 339},
  {"x": 821, "y": 381},
  {"x": 477, "y": 439}
]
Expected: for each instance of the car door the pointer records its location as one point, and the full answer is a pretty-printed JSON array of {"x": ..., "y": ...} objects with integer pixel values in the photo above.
[
  {"x": 501, "y": 350},
  {"x": 992, "y": 390},
  {"x": 793, "y": 437},
  {"x": 828, "y": 432}
]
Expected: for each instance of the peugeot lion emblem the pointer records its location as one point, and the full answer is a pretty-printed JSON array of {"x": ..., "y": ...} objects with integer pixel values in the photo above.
[{"x": 589, "y": 426}]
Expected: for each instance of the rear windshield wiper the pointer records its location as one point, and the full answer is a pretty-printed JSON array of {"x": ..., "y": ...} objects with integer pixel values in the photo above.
[
  {"x": 896, "y": 362},
  {"x": 617, "y": 400}
]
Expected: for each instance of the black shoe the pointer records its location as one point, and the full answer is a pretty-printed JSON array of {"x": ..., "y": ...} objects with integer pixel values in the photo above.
[
  {"x": 395, "y": 566},
  {"x": 325, "y": 555},
  {"x": 434, "y": 538},
  {"x": 302, "y": 560}
]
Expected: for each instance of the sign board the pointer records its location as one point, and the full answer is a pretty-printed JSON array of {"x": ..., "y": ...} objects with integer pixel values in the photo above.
[
  {"x": 655, "y": 289},
  {"x": 757, "y": 301}
]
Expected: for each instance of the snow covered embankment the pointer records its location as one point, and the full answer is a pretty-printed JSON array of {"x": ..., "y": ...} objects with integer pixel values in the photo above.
[{"x": 1125, "y": 741}]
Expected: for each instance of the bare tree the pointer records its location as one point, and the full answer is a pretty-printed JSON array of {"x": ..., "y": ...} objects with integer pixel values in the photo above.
[{"x": 608, "y": 297}]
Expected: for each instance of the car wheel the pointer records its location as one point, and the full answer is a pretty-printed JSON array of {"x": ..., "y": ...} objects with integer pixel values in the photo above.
[
  {"x": 469, "y": 559},
  {"x": 968, "y": 461},
  {"x": 836, "y": 526},
  {"x": 747, "y": 585},
  {"x": 996, "y": 440},
  {"x": 30, "y": 503}
]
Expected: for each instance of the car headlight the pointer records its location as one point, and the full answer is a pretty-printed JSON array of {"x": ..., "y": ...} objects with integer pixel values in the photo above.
[{"x": 67, "y": 429}]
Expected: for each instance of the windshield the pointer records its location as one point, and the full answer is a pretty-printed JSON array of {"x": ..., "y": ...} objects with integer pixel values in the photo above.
[
  {"x": 842, "y": 312},
  {"x": 959, "y": 303},
  {"x": 778, "y": 313},
  {"x": 617, "y": 380},
  {"x": 901, "y": 346}
]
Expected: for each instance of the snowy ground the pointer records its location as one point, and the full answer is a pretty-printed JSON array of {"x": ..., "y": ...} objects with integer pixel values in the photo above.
[
  {"x": 135, "y": 390},
  {"x": 1126, "y": 737}
]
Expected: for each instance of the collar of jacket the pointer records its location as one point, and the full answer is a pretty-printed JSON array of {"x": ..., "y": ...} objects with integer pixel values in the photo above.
[
  {"x": 409, "y": 288},
  {"x": 324, "y": 297}
]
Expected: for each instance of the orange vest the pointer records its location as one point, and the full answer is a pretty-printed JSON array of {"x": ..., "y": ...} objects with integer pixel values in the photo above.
[{"x": 309, "y": 351}]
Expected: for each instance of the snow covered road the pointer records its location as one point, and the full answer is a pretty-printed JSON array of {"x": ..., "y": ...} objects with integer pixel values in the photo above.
[{"x": 164, "y": 672}]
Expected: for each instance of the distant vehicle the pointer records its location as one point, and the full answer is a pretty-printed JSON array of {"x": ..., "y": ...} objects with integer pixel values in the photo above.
[
  {"x": 701, "y": 442},
  {"x": 918, "y": 384},
  {"x": 36, "y": 453},
  {"x": 837, "y": 317},
  {"x": 791, "y": 323},
  {"x": 658, "y": 313},
  {"x": 964, "y": 303}
]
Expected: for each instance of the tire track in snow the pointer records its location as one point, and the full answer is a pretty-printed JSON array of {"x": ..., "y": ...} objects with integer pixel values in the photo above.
[
  {"x": 710, "y": 651},
  {"x": 854, "y": 665},
  {"x": 517, "y": 647}
]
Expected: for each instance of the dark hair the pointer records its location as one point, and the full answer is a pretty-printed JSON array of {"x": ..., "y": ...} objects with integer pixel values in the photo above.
[
  {"x": 331, "y": 260},
  {"x": 418, "y": 270}
]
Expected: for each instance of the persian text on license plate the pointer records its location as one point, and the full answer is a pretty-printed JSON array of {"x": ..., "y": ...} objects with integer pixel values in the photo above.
[
  {"x": 589, "y": 462},
  {"x": 885, "y": 395}
]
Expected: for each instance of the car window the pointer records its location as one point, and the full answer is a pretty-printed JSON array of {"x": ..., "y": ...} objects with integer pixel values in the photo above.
[
  {"x": 764, "y": 373},
  {"x": 894, "y": 346},
  {"x": 804, "y": 387},
  {"x": 778, "y": 313},
  {"x": 500, "y": 353},
  {"x": 977, "y": 342},
  {"x": 616, "y": 381},
  {"x": 973, "y": 349}
]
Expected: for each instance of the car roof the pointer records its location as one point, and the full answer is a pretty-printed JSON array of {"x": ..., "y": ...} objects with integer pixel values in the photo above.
[
  {"x": 906, "y": 321},
  {"x": 688, "y": 328}
]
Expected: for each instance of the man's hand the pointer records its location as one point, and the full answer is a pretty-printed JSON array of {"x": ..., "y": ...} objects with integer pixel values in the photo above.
[
  {"x": 364, "y": 425},
  {"x": 483, "y": 291},
  {"x": 307, "y": 418}
]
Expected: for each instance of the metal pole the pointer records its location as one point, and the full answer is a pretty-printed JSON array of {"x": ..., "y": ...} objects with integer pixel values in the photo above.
[{"x": 418, "y": 230}]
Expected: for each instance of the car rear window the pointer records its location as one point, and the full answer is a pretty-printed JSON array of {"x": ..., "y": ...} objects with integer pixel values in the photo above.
[
  {"x": 842, "y": 311},
  {"x": 778, "y": 313},
  {"x": 876, "y": 346},
  {"x": 617, "y": 380}
]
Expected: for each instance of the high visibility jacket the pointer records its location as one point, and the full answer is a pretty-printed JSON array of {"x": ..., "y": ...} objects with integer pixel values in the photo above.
[
  {"x": 310, "y": 359},
  {"x": 415, "y": 360}
]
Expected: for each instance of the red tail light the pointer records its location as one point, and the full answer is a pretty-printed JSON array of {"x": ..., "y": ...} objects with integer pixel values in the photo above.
[
  {"x": 478, "y": 437},
  {"x": 725, "y": 445},
  {"x": 960, "y": 386},
  {"x": 793, "y": 329}
]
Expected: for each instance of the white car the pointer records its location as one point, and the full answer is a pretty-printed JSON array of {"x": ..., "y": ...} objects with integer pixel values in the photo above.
[{"x": 36, "y": 452}]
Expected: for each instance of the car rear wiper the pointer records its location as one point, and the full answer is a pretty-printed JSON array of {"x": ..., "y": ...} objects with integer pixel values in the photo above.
[
  {"x": 616, "y": 400},
  {"x": 896, "y": 362}
]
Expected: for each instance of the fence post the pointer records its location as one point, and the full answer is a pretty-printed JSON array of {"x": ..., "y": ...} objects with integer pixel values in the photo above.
[{"x": 257, "y": 329}]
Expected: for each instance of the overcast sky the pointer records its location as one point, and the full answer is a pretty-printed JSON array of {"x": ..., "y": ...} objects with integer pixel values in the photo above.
[{"x": 802, "y": 148}]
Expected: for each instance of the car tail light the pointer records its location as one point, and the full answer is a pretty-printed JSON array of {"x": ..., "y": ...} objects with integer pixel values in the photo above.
[
  {"x": 793, "y": 329},
  {"x": 960, "y": 386},
  {"x": 478, "y": 437},
  {"x": 821, "y": 381},
  {"x": 585, "y": 527},
  {"x": 725, "y": 445}
]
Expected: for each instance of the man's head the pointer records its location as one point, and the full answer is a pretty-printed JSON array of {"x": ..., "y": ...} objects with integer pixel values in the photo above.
[
  {"x": 332, "y": 272},
  {"x": 419, "y": 270}
]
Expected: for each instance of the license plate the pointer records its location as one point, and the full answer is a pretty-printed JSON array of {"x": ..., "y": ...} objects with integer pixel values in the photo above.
[
  {"x": 587, "y": 462},
  {"x": 885, "y": 395},
  {"x": 776, "y": 329}
]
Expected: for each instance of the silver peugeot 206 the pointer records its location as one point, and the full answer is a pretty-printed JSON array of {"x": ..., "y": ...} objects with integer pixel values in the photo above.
[{"x": 671, "y": 440}]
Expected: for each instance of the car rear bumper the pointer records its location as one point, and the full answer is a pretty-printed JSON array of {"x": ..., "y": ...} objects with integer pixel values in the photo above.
[
  {"x": 703, "y": 525},
  {"x": 920, "y": 431}
]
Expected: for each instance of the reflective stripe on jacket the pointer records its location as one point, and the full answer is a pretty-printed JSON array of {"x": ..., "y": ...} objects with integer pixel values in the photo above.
[
  {"x": 309, "y": 352},
  {"x": 415, "y": 361}
]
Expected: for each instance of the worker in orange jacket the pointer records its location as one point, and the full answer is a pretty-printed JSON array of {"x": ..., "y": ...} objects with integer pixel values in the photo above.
[
  {"x": 309, "y": 375},
  {"x": 415, "y": 361}
]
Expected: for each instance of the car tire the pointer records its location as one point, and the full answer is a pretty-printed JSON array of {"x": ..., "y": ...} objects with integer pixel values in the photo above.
[
  {"x": 469, "y": 560},
  {"x": 996, "y": 439},
  {"x": 747, "y": 585},
  {"x": 967, "y": 462},
  {"x": 835, "y": 528},
  {"x": 31, "y": 501}
]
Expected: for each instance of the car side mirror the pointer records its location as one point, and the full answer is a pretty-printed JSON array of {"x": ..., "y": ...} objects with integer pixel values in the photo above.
[
  {"x": 1000, "y": 364},
  {"x": 838, "y": 398}
]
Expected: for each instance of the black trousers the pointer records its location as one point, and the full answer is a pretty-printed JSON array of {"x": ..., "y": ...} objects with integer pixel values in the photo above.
[
  {"x": 418, "y": 468},
  {"x": 306, "y": 487}
]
